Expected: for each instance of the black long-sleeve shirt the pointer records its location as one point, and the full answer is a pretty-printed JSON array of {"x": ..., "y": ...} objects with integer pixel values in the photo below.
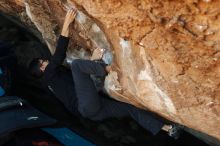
[{"x": 59, "y": 79}]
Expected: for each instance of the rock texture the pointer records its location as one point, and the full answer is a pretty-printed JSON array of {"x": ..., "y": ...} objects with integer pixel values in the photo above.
[{"x": 166, "y": 53}]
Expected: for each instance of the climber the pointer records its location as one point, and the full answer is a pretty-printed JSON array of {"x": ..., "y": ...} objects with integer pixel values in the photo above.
[{"x": 76, "y": 90}]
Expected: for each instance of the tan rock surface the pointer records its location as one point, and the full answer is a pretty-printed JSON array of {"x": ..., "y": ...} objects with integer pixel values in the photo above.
[{"x": 166, "y": 53}]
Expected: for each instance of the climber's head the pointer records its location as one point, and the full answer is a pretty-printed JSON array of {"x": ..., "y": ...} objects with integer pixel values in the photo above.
[{"x": 38, "y": 66}]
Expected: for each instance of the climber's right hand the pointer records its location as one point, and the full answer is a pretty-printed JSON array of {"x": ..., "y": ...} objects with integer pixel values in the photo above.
[{"x": 70, "y": 16}]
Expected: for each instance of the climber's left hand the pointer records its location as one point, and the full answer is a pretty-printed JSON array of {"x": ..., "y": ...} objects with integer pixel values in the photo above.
[{"x": 97, "y": 54}]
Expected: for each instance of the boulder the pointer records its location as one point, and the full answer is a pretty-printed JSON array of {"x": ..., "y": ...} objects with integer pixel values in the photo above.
[{"x": 165, "y": 54}]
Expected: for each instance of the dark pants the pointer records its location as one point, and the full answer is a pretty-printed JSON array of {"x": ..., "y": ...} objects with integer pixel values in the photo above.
[{"x": 91, "y": 105}]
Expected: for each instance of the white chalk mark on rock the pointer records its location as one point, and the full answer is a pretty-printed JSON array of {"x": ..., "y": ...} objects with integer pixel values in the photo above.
[
  {"x": 144, "y": 75},
  {"x": 95, "y": 28},
  {"x": 168, "y": 102},
  {"x": 126, "y": 46},
  {"x": 81, "y": 17}
]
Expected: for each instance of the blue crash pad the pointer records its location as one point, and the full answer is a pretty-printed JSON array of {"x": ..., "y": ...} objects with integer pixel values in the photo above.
[
  {"x": 67, "y": 137},
  {"x": 2, "y": 91}
]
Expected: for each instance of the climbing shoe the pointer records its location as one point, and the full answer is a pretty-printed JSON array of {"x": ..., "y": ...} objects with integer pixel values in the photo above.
[{"x": 175, "y": 131}]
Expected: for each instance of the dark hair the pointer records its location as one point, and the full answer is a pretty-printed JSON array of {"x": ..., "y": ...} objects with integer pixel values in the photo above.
[{"x": 34, "y": 68}]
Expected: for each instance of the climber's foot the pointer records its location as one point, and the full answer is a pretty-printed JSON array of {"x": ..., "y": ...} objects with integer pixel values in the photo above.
[{"x": 173, "y": 130}]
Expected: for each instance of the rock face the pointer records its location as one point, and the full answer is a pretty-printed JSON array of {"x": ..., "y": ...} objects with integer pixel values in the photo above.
[{"x": 166, "y": 53}]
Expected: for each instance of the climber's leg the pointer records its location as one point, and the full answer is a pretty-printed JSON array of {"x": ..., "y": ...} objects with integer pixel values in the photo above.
[
  {"x": 89, "y": 102},
  {"x": 95, "y": 107},
  {"x": 111, "y": 108}
]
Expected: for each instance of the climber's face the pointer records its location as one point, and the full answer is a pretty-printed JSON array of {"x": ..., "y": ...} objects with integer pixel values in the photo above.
[{"x": 43, "y": 64}]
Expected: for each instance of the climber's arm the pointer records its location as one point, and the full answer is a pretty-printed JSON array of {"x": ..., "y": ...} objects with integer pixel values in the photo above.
[{"x": 62, "y": 44}]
